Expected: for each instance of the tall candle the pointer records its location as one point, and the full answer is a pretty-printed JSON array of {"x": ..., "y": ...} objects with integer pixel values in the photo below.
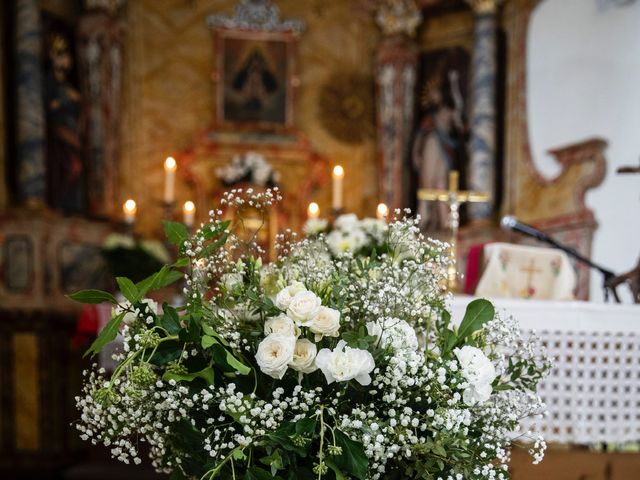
[
  {"x": 313, "y": 211},
  {"x": 338, "y": 177},
  {"x": 189, "y": 212},
  {"x": 382, "y": 211},
  {"x": 170, "y": 167},
  {"x": 129, "y": 208}
]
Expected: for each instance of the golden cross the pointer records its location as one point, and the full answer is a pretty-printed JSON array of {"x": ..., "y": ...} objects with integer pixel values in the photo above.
[
  {"x": 530, "y": 270},
  {"x": 454, "y": 197}
]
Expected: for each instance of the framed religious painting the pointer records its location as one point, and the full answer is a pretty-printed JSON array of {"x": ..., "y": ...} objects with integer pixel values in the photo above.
[{"x": 256, "y": 78}]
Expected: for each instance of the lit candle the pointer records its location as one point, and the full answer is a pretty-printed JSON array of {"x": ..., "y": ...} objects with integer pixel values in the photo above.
[
  {"x": 129, "y": 208},
  {"x": 313, "y": 211},
  {"x": 382, "y": 211},
  {"x": 170, "y": 167},
  {"x": 338, "y": 177},
  {"x": 189, "y": 212}
]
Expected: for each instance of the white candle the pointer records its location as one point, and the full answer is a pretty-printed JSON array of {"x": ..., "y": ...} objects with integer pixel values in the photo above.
[
  {"x": 170, "y": 167},
  {"x": 313, "y": 211},
  {"x": 189, "y": 212},
  {"x": 129, "y": 208},
  {"x": 382, "y": 211},
  {"x": 338, "y": 177}
]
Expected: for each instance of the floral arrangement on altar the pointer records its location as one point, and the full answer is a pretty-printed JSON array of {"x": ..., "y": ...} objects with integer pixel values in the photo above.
[
  {"x": 349, "y": 234},
  {"x": 327, "y": 363},
  {"x": 249, "y": 167}
]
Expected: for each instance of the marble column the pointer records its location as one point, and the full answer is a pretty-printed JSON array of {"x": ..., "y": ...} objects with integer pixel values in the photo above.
[
  {"x": 30, "y": 115},
  {"x": 482, "y": 145},
  {"x": 396, "y": 77}
]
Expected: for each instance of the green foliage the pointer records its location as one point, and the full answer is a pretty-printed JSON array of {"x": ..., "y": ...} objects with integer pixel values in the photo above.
[
  {"x": 206, "y": 374},
  {"x": 478, "y": 313},
  {"x": 93, "y": 296},
  {"x": 176, "y": 232},
  {"x": 108, "y": 334},
  {"x": 128, "y": 289},
  {"x": 353, "y": 460}
]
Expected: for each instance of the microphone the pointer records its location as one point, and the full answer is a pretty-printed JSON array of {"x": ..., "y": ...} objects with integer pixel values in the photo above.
[{"x": 510, "y": 222}]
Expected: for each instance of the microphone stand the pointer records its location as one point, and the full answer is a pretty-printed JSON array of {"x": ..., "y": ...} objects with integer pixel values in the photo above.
[{"x": 607, "y": 275}]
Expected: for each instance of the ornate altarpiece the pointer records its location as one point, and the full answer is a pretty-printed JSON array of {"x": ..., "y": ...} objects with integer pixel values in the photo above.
[
  {"x": 556, "y": 205},
  {"x": 302, "y": 171}
]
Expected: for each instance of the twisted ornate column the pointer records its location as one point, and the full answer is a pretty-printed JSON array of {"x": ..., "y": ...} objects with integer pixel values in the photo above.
[
  {"x": 30, "y": 116},
  {"x": 482, "y": 171},
  {"x": 397, "y": 59}
]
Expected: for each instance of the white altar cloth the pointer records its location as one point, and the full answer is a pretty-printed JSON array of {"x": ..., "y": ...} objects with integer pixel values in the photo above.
[{"x": 593, "y": 392}]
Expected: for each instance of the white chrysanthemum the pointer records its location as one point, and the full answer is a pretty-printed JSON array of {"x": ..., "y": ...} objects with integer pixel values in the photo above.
[
  {"x": 374, "y": 227},
  {"x": 347, "y": 222},
  {"x": 314, "y": 226},
  {"x": 479, "y": 372},
  {"x": 341, "y": 242}
]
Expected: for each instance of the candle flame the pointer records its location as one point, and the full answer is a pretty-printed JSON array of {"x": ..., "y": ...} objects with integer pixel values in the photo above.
[
  {"x": 170, "y": 164},
  {"x": 382, "y": 211},
  {"x": 189, "y": 207},
  {"x": 130, "y": 206},
  {"x": 338, "y": 171},
  {"x": 313, "y": 211}
]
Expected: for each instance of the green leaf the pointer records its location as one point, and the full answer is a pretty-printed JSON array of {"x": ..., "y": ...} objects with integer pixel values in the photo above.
[
  {"x": 257, "y": 473},
  {"x": 306, "y": 426},
  {"x": 181, "y": 262},
  {"x": 165, "y": 277},
  {"x": 176, "y": 232},
  {"x": 206, "y": 374},
  {"x": 128, "y": 289},
  {"x": 93, "y": 296},
  {"x": 170, "y": 321},
  {"x": 108, "y": 334},
  {"x": 331, "y": 464},
  {"x": 353, "y": 460},
  {"x": 237, "y": 365},
  {"x": 478, "y": 313}
]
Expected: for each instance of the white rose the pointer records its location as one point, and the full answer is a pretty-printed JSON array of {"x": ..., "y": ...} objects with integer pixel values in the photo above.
[
  {"x": 275, "y": 353},
  {"x": 345, "y": 363},
  {"x": 231, "y": 280},
  {"x": 314, "y": 226},
  {"x": 347, "y": 221},
  {"x": 304, "y": 356},
  {"x": 326, "y": 323},
  {"x": 303, "y": 307},
  {"x": 281, "y": 324},
  {"x": 394, "y": 333},
  {"x": 129, "y": 317},
  {"x": 478, "y": 371},
  {"x": 284, "y": 297}
]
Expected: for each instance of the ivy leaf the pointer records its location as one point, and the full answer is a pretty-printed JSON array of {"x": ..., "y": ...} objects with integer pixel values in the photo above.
[
  {"x": 108, "y": 334},
  {"x": 478, "y": 313},
  {"x": 176, "y": 232},
  {"x": 206, "y": 374},
  {"x": 306, "y": 426},
  {"x": 93, "y": 297},
  {"x": 330, "y": 463},
  {"x": 128, "y": 289},
  {"x": 170, "y": 321},
  {"x": 352, "y": 460},
  {"x": 257, "y": 473}
]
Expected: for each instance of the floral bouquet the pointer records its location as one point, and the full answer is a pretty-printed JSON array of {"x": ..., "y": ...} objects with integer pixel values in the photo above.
[
  {"x": 249, "y": 167},
  {"x": 318, "y": 365}
]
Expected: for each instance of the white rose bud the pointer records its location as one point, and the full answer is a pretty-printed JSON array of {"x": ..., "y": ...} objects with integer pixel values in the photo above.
[
  {"x": 326, "y": 323},
  {"x": 275, "y": 353},
  {"x": 303, "y": 307},
  {"x": 284, "y": 297},
  {"x": 281, "y": 324},
  {"x": 304, "y": 356},
  {"x": 345, "y": 363}
]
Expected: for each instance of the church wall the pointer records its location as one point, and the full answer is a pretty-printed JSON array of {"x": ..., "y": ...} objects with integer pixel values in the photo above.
[
  {"x": 583, "y": 78},
  {"x": 169, "y": 96}
]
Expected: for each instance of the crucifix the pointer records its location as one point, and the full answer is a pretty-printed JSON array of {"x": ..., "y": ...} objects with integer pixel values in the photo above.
[
  {"x": 454, "y": 198},
  {"x": 530, "y": 271}
]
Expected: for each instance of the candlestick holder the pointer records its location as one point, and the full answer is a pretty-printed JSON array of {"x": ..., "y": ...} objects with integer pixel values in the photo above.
[{"x": 168, "y": 210}]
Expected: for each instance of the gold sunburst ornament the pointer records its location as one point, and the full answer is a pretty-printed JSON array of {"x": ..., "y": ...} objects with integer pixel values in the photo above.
[{"x": 345, "y": 106}]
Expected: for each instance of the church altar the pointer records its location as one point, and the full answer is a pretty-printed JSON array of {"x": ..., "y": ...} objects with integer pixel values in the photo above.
[{"x": 593, "y": 391}]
